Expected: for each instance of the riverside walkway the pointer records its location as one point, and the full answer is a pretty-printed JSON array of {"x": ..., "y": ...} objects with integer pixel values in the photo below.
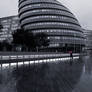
[
  {"x": 57, "y": 75},
  {"x": 13, "y": 57}
]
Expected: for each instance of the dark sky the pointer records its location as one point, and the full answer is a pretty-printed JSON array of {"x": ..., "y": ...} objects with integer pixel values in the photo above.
[{"x": 82, "y": 9}]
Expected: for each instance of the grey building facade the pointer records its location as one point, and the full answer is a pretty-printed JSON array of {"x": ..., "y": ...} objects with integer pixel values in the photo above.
[
  {"x": 51, "y": 17},
  {"x": 88, "y": 39},
  {"x": 9, "y": 24}
]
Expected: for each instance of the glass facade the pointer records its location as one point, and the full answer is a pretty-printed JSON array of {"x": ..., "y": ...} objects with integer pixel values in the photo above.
[
  {"x": 88, "y": 39},
  {"x": 51, "y": 17},
  {"x": 54, "y": 19},
  {"x": 9, "y": 24}
]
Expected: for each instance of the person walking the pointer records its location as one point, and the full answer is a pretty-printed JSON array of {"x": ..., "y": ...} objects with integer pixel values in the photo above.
[{"x": 71, "y": 57}]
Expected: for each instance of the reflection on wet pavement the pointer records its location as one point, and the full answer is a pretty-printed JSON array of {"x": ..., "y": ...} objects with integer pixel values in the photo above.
[
  {"x": 85, "y": 83},
  {"x": 49, "y": 77}
]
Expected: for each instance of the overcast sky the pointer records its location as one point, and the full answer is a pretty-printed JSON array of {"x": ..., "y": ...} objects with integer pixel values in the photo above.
[{"x": 82, "y": 9}]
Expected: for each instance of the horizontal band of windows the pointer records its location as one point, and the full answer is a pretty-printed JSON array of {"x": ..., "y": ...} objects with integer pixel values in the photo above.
[
  {"x": 59, "y": 45},
  {"x": 51, "y": 23},
  {"x": 45, "y": 11},
  {"x": 30, "y": 16},
  {"x": 46, "y": 8},
  {"x": 66, "y": 41},
  {"x": 68, "y": 35},
  {"x": 54, "y": 45},
  {"x": 65, "y": 35},
  {"x": 49, "y": 18},
  {"x": 46, "y": 17},
  {"x": 59, "y": 31},
  {"x": 39, "y": 1},
  {"x": 43, "y": 6},
  {"x": 21, "y": 4},
  {"x": 62, "y": 33},
  {"x": 52, "y": 27},
  {"x": 68, "y": 23}
]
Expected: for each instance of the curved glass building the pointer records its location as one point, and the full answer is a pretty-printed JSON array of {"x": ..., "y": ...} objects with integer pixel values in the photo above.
[{"x": 54, "y": 19}]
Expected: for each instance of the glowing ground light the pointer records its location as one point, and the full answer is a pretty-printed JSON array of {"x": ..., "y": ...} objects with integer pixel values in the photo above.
[{"x": 65, "y": 59}]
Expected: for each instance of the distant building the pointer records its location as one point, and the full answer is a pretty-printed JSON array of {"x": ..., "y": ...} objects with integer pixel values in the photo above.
[
  {"x": 9, "y": 24},
  {"x": 53, "y": 18},
  {"x": 88, "y": 39}
]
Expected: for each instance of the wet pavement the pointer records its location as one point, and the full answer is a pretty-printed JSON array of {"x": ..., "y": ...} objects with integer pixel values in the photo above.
[
  {"x": 85, "y": 82},
  {"x": 49, "y": 77}
]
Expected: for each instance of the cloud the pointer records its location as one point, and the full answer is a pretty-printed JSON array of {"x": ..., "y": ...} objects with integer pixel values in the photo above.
[
  {"x": 8, "y": 7},
  {"x": 80, "y": 8}
]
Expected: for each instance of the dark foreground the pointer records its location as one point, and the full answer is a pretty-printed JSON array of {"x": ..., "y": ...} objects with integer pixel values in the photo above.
[{"x": 48, "y": 77}]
